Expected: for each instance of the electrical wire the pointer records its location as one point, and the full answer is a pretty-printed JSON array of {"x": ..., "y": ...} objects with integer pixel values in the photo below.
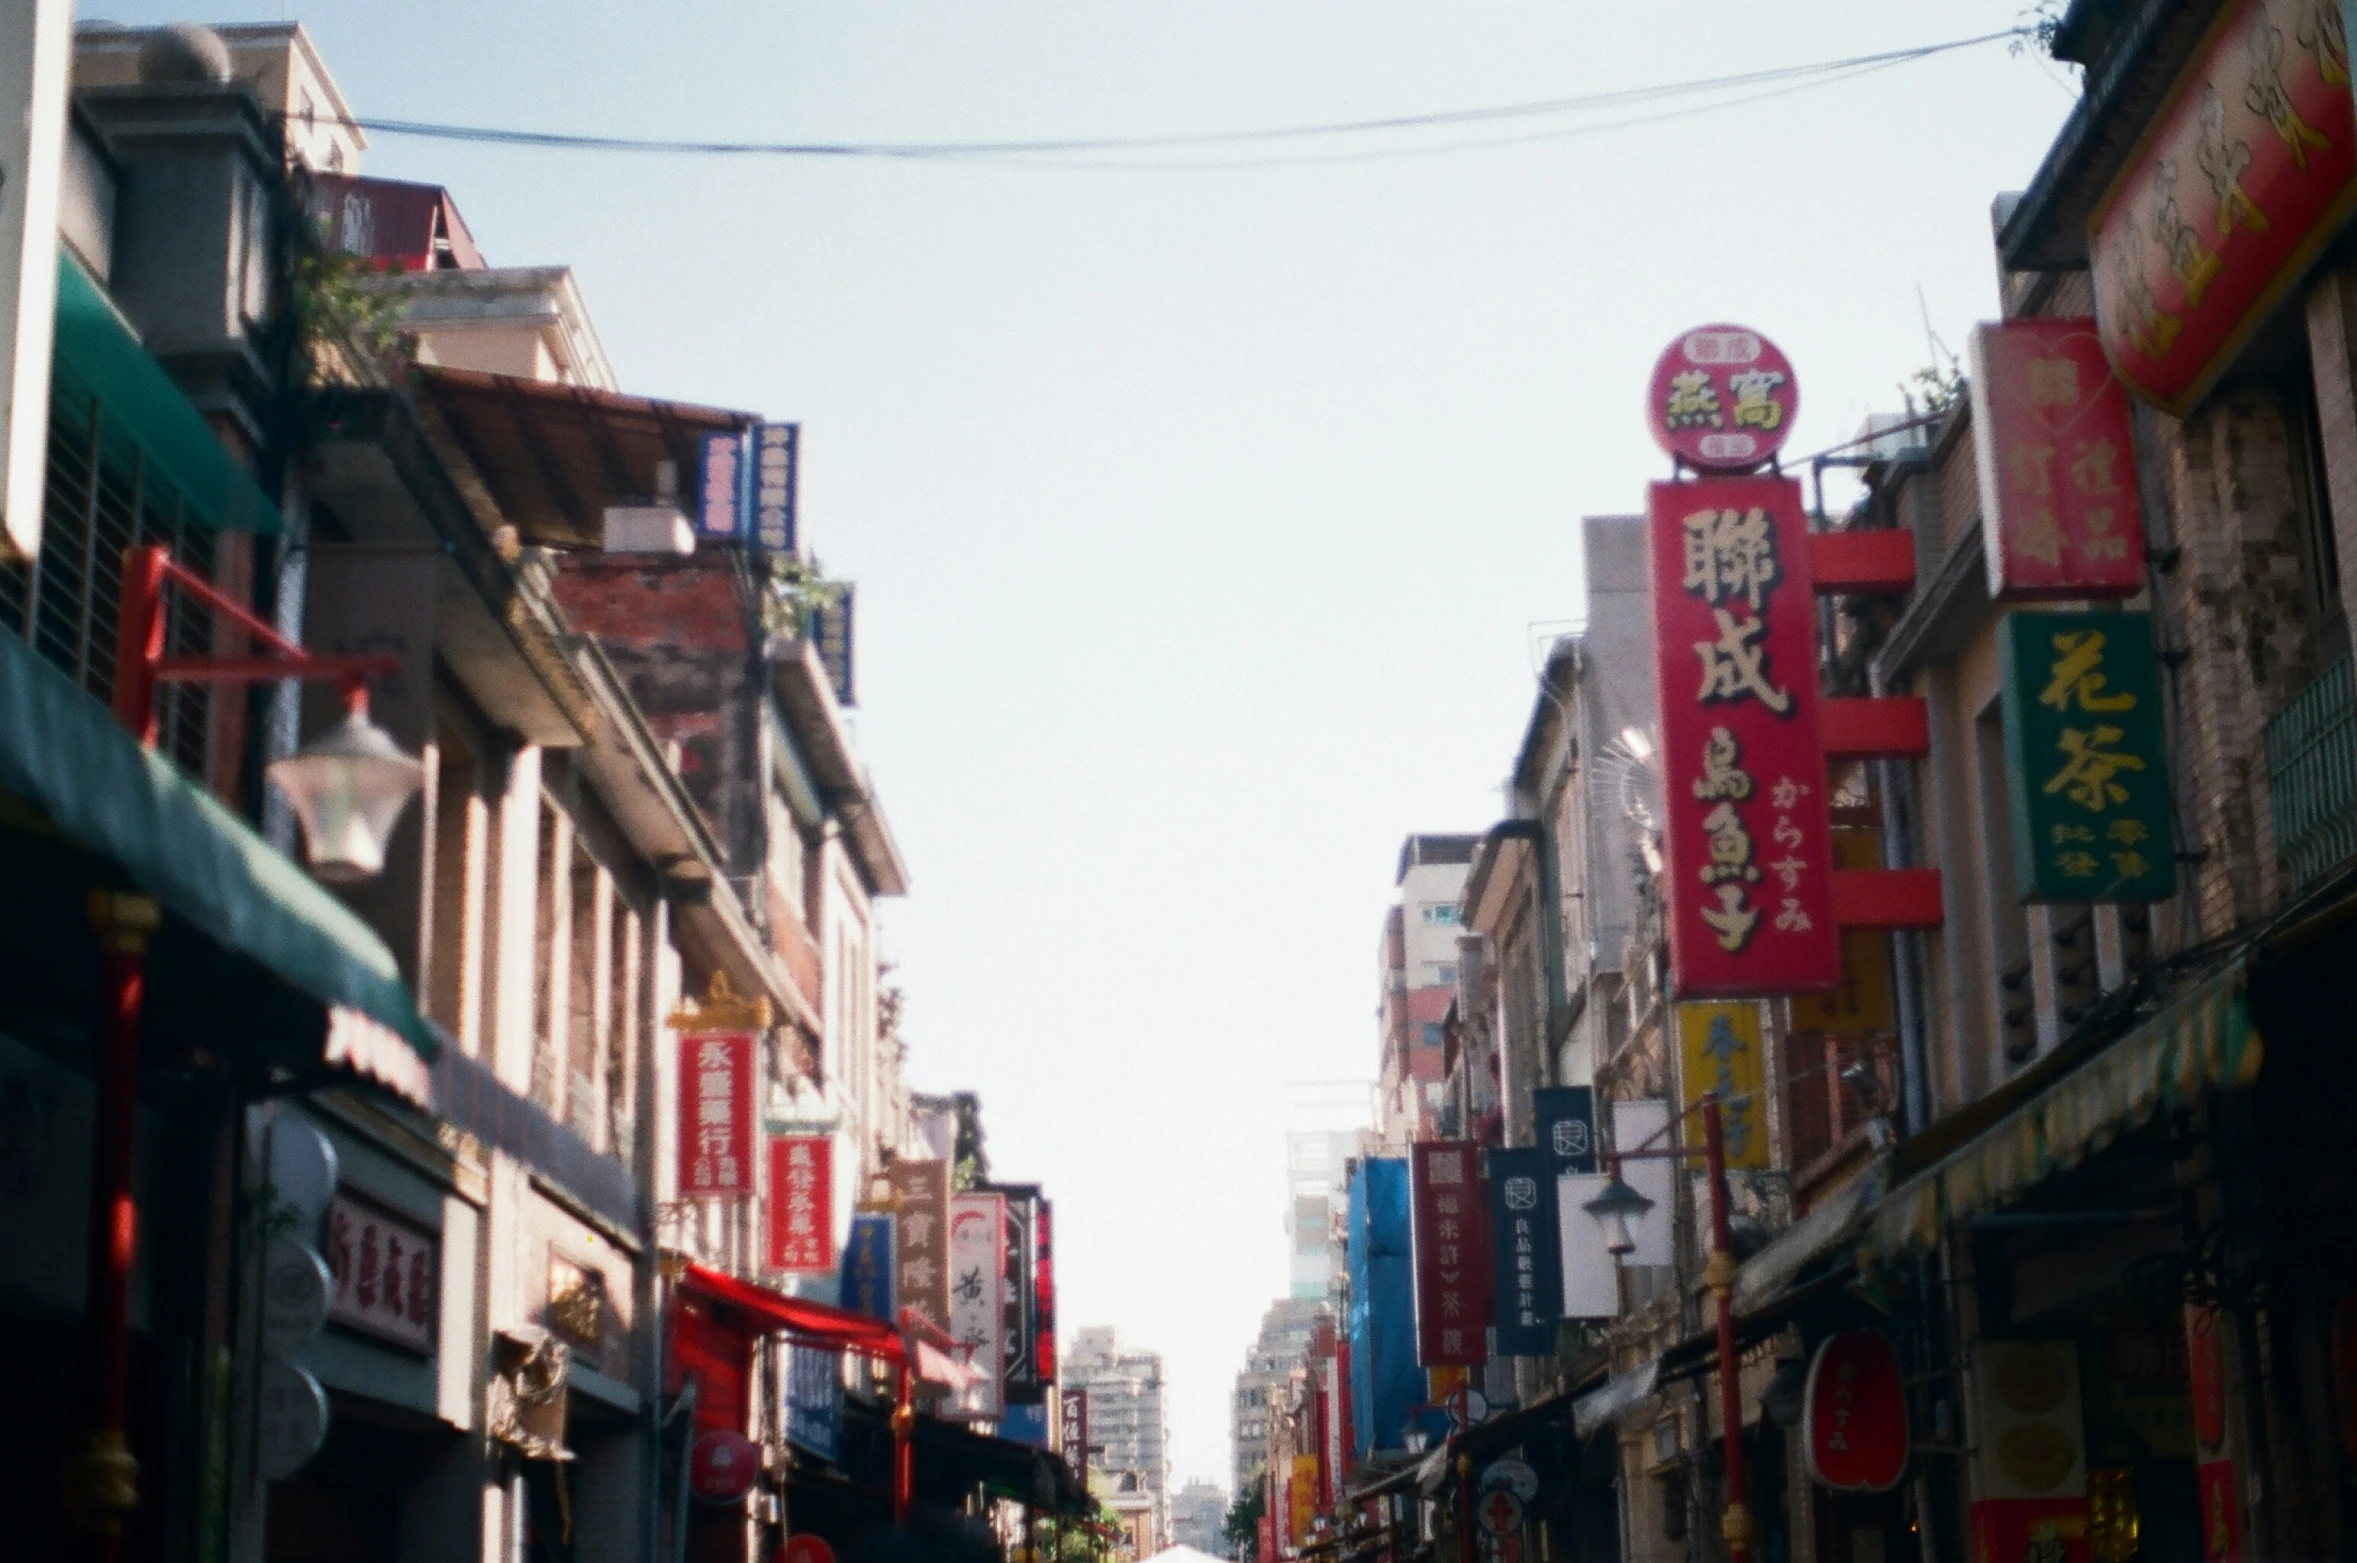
[{"x": 1036, "y": 153}]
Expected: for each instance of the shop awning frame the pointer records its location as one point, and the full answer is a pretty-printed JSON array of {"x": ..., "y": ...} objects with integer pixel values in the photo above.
[
  {"x": 2201, "y": 1042},
  {"x": 63, "y": 753},
  {"x": 809, "y": 1323}
]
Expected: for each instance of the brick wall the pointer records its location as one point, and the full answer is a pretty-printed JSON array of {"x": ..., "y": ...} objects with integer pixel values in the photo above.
[{"x": 2237, "y": 604}]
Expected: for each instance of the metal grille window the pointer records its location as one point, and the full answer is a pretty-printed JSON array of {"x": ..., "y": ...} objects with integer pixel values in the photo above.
[
  {"x": 2312, "y": 776},
  {"x": 102, "y": 496}
]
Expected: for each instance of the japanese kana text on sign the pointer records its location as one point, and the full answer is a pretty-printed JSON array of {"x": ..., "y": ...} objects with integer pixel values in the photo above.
[{"x": 1749, "y": 877}]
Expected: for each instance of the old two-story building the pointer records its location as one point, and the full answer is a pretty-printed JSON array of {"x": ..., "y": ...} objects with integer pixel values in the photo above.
[{"x": 445, "y": 1093}]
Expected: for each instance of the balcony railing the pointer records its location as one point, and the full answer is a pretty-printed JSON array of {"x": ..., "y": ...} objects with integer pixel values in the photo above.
[{"x": 2312, "y": 776}]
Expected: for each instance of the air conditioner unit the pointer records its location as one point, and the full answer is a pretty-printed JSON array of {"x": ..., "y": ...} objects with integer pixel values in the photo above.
[{"x": 648, "y": 529}]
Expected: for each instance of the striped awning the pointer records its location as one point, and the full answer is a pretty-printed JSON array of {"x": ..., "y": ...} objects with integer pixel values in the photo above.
[{"x": 2202, "y": 1042}]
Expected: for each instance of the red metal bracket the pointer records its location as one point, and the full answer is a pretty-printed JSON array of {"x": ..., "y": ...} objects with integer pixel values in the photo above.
[
  {"x": 1887, "y": 898},
  {"x": 1862, "y": 563},
  {"x": 140, "y": 663},
  {"x": 1888, "y": 727}
]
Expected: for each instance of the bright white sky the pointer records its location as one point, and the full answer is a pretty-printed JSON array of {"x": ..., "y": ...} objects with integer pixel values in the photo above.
[{"x": 1201, "y": 519}]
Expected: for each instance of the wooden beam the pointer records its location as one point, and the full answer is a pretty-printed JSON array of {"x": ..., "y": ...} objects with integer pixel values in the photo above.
[
  {"x": 1866, "y": 563},
  {"x": 1891, "y": 727},
  {"x": 1886, "y": 897}
]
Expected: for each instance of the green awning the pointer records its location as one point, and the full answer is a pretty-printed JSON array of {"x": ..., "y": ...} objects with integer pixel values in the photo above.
[
  {"x": 2203, "y": 1042},
  {"x": 62, "y": 752},
  {"x": 97, "y": 356}
]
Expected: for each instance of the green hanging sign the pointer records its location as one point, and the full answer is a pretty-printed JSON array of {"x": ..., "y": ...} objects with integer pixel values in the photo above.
[{"x": 2087, "y": 767}]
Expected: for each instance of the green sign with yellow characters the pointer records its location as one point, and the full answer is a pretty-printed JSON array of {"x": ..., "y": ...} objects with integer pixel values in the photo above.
[{"x": 2087, "y": 764}]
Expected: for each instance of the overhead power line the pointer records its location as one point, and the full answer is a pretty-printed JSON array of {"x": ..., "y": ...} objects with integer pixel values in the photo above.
[{"x": 1075, "y": 152}]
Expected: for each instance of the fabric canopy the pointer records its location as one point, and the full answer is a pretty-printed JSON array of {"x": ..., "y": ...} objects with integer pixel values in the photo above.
[
  {"x": 62, "y": 753},
  {"x": 2202, "y": 1042},
  {"x": 810, "y": 1323},
  {"x": 97, "y": 354}
]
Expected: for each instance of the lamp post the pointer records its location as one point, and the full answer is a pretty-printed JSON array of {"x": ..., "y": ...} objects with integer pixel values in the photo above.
[
  {"x": 102, "y": 1481},
  {"x": 1614, "y": 1207}
]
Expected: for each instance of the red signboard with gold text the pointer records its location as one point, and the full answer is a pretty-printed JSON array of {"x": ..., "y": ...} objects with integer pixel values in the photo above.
[
  {"x": 2061, "y": 516},
  {"x": 715, "y": 1114},
  {"x": 1450, "y": 1236},
  {"x": 1749, "y": 849},
  {"x": 2242, "y": 176},
  {"x": 801, "y": 1202},
  {"x": 1854, "y": 1417}
]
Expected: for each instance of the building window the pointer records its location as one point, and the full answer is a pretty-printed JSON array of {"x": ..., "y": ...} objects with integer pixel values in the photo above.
[
  {"x": 1432, "y": 1033},
  {"x": 1440, "y": 914}
]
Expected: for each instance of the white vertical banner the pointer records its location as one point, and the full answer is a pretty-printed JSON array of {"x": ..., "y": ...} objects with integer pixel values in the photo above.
[
  {"x": 978, "y": 1302},
  {"x": 36, "y": 59},
  {"x": 1644, "y": 1125},
  {"x": 1591, "y": 1276}
]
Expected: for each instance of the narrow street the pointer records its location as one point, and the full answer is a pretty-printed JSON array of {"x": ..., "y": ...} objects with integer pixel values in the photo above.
[{"x": 542, "y": 1023}]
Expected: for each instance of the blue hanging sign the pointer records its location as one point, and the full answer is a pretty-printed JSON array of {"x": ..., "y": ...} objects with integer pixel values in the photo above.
[
  {"x": 775, "y": 486},
  {"x": 1525, "y": 1247},
  {"x": 723, "y": 486},
  {"x": 867, "y": 1266},
  {"x": 814, "y": 1399}
]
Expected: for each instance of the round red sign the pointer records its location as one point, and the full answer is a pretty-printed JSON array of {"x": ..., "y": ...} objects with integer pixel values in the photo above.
[
  {"x": 807, "y": 1549},
  {"x": 723, "y": 1467},
  {"x": 1723, "y": 399},
  {"x": 1855, "y": 1422}
]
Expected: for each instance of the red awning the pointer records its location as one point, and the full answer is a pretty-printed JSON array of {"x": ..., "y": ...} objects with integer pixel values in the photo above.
[{"x": 812, "y": 1323}]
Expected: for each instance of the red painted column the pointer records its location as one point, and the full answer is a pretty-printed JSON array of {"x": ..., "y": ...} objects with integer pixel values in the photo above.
[
  {"x": 1735, "y": 1526},
  {"x": 904, "y": 1464},
  {"x": 102, "y": 1482}
]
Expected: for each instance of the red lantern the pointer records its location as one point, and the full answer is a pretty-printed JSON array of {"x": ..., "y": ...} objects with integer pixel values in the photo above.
[
  {"x": 806, "y": 1549},
  {"x": 723, "y": 1467},
  {"x": 1855, "y": 1422}
]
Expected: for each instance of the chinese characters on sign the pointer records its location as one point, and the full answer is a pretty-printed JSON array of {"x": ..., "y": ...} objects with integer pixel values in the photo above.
[
  {"x": 2087, "y": 768},
  {"x": 2052, "y": 431},
  {"x": 1524, "y": 1252},
  {"x": 2248, "y": 166},
  {"x": 1749, "y": 876},
  {"x": 920, "y": 1195},
  {"x": 1072, "y": 1433},
  {"x": 814, "y": 1398},
  {"x": 1719, "y": 1050},
  {"x": 1451, "y": 1244},
  {"x": 775, "y": 479},
  {"x": 387, "y": 1273},
  {"x": 867, "y": 1266},
  {"x": 715, "y": 1114},
  {"x": 1043, "y": 1288},
  {"x": 1854, "y": 1421},
  {"x": 978, "y": 1301},
  {"x": 801, "y": 1202},
  {"x": 1723, "y": 399},
  {"x": 721, "y": 486}
]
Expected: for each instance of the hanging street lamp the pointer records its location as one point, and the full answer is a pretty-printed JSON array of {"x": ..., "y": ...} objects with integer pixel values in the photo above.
[
  {"x": 1615, "y": 1206},
  {"x": 349, "y": 788}
]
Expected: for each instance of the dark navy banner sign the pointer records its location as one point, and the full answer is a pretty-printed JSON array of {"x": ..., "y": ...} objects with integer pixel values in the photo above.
[
  {"x": 867, "y": 1267},
  {"x": 1524, "y": 1242}
]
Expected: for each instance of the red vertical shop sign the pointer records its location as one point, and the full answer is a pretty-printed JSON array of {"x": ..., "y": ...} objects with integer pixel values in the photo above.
[
  {"x": 1450, "y": 1238},
  {"x": 1749, "y": 849},
  {"x": 801, "y": 1202},
  {"x": 2054, "y": 438},
  {"x": 715, "y": 1114}
]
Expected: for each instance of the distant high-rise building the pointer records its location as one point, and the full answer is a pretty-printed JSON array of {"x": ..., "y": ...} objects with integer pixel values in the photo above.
[
  {"x": 1199, "y": 1519},
  {"x": 1418, "y": 970},
  {"x": 1126, "y": 1429},
  {"x": 1276, "y": 1356},
  {"x": 1326, "y": 1125}
]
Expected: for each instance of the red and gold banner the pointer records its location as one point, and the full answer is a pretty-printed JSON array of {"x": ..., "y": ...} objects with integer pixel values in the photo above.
[
  {"x": 1750, "y": 856},
  {"x": 715, "y": 1114},
  {"x": 2060, "y": 513},
  {"x": 2242, "y": 176},
  {"x": 1854, "y": 1421},
  {"x": 1452, "y": 1259},
  {"x": 801, "y": 1202}
]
